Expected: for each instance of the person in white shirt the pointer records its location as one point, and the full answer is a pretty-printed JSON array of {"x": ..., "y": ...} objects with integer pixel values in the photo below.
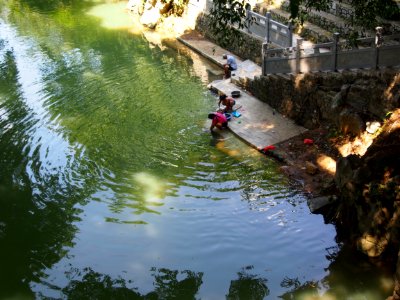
[{"x": 230, "y": 65}]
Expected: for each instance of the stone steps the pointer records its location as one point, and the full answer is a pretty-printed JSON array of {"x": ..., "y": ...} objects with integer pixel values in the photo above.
[
  {"x": 308, "y": 31},
  {"x": 345, "y": 10},
  {"x": 259, "y": 124},
  {"x": 328, "y": 21},
  {"x": 285, "y": 76},
  {"x": 320, "y": 25},
  {"x": 247, "y": 70}
]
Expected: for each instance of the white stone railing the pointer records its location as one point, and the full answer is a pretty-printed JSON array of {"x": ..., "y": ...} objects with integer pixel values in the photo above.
[
  {"x": 269, "y": 30},
  {"x": 365, "y": 53}
]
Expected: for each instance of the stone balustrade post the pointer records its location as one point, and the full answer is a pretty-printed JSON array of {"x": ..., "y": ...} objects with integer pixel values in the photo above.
[
  {"x": 268, "y": 27},
  {"x": 248, "y": 17},
  {"x": 290, "y": 29},
  {"x": 378, "y": 44},
  {"x": 335, "y": 51},
  {"x": 264, "y": 58},
  {"x": 298, "y": 54}
]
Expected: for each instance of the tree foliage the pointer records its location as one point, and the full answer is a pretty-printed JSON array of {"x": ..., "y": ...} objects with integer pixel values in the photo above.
[
  {"x": 224, "y": 14},
  {"x": 233, "y": 12},
  {"x": 300, "y": 8},
  {"x": 366, "y": 12}
]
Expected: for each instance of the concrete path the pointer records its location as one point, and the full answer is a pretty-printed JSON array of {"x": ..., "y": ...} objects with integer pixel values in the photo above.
[
  {"x": 214, "y": 53},
  {"x": 259, "y": 125}
]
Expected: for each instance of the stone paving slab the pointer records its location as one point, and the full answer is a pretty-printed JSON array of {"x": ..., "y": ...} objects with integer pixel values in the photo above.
[
  {"x": 246, "y": 69},
  {"x": 205, "y": 47},
  {"x": 259, "y": 125},
  {"x": 213, "y": 52}
]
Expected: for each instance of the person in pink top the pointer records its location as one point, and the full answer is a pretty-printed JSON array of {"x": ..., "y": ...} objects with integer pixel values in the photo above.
[{"x": 218, "y": 120}]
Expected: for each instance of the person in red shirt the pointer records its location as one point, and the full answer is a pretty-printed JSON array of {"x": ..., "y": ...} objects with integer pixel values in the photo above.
[
  {"x": 218, "y": 120},
  {"x": 229, "y": 102}
]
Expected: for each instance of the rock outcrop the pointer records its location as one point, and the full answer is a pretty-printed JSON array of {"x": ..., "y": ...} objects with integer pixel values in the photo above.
[
  {"x": 150, "y": 11},
  {"x": 368, "y": 215}
]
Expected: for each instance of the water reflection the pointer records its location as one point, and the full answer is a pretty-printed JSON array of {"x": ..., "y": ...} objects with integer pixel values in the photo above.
[
  {"x": 351, "y": 273},
  {"x": 75, "y": 91},
  {"x": 168, "y": 284},
  {"x": 50, "y": 5},
  {"x": 298, "y": 290},
  {"x": 186, "y": 284},
  {"x": 36, "y": 222},
  {"x": 248, "y": 286},
  {"x": 174, "y": 284}
]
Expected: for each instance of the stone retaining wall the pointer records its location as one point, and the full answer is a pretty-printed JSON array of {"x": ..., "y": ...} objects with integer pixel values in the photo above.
[
  {"x": 346, "y": 101},
  {"x": 243, "y": 45}
]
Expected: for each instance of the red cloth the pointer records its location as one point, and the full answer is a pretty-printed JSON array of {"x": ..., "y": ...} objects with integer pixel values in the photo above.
[
  {"x": 270, "y": 147},
  {"x": 308, "y": 141}
]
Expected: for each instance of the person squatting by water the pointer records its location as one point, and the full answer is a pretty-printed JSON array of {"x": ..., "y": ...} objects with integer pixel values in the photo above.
[
  {"x": 228, "y": 102},
  {"x": 230, "y": 65},
  {"x": 219, "y": 120}
]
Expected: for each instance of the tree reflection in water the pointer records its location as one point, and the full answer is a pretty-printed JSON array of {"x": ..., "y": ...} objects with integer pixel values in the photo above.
[
  {"x": 169, "y": 287},
  {"x": 374, "y": 281},
  {"x": 48, "y": 5},
  {"x": 37, "y": 211},
  {"x": 167, "y": 283},
  {"x": 248, "y": 286},
  {"x": 309, "y": 288},
  {"x": 353, "y": 273},
  {"x": 94, "y": 285}
]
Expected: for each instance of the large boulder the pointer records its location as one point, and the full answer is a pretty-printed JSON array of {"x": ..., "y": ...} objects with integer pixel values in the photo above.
[
  {"x": 345, "y": 170},
  {"x": 153, "y": 10},
  {"x": 136, "y": 6},
  {"x": 350, "y": 122},
  {"x": 358, "y": 96},
  {"x": 150, "y": 17}
]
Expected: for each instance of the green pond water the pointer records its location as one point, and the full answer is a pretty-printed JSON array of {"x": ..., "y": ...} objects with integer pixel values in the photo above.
[{"x": 112, "y": 187}]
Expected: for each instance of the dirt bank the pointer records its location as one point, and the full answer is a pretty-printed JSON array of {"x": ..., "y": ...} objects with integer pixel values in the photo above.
[
  {"x": 310, "y": 166},
  {"x": 309, "y": 159}
]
